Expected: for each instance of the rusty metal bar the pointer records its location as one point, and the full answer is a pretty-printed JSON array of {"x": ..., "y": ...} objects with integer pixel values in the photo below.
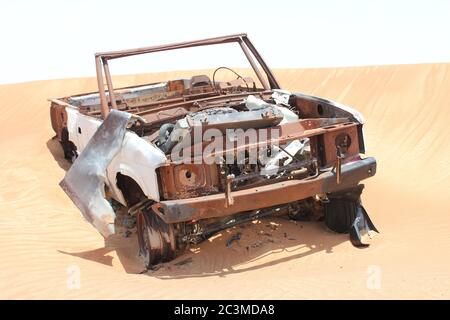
[
  {"x": 179, "y": 45},
  {"x": 338, "y": 169},
  {"x": 273, "y": 82},
  {"x": 241, "y": 38},
  {"x": 62, "y": 103},
  {"x": 101, "y": 88},
  {"x": 228, "y": 196},
  {"x": 228, "y": 98},
  {"x": 112, "y": 97},
  {"x": 253, "y": 64},
  {"x": 285, "y": 133}
]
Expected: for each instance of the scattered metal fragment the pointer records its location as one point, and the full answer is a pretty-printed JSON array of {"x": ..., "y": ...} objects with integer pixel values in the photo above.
[
  {"x": 235, "y": 237},
  {"x": 156, "y": 267},
  {"x": 257, "y": 244}
]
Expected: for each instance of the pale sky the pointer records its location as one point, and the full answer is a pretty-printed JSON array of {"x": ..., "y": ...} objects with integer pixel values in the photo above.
[{"x": 57, "y": 39}]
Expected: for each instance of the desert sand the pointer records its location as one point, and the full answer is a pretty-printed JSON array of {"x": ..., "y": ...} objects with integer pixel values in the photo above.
[{"x": 45, "y": 245}]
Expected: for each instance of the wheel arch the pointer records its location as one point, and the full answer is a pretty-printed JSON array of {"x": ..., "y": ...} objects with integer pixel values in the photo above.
[{"x": 129, "y": 188}]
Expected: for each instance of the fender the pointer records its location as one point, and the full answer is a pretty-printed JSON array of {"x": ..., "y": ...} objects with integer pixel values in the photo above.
[
  {"x": 139, "y": 160},
  {"x": 84, "y": 182},
  {"x": 340, "y": 110},
  {"x": 354, "y": 113}
]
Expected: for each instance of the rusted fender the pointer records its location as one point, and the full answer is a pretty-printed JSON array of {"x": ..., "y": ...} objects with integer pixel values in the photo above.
[{"x": 84, "y": 182}]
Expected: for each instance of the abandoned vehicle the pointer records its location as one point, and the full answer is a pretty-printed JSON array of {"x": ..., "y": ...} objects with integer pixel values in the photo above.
[{"x": 125, "y": 145}]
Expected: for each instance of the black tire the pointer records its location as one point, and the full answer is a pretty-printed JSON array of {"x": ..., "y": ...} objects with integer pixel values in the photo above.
[
  {"x": 341, "y": 210},
  {"x": 70, "y": 153},
  {"x": 156, "y": 238},
  {"x": 340, "y": 214},
  {"x": 69, "y": 148}
]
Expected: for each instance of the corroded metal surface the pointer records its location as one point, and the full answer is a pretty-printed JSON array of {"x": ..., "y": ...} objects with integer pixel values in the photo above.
[{"x": 210, "y": 206}]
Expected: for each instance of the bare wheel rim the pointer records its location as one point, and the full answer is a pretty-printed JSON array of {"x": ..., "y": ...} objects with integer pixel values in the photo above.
[
  {"x": 143, "y": 239},
  {"x": 152, "y": 244}
]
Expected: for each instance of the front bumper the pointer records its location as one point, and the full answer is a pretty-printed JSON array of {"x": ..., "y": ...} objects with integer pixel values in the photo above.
[{"x": 213, "y": 206}]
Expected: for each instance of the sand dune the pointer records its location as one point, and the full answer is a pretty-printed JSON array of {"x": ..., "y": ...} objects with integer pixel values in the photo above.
[{"x": 45, "y": 244}]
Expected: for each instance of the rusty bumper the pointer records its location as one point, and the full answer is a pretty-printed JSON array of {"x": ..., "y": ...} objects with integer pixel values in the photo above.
[{"x": 213, "y": 206}]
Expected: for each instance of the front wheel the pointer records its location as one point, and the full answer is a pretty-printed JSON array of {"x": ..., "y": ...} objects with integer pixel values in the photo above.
[
  {"x": 340, "y": 214},
  {"x": 342, "y": 208},
  {"x": 156, "y": 238},
  {"x": 344, "y": 213}
]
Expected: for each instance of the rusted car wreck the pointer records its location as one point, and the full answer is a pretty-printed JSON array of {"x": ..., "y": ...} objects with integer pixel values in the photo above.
[{"x": 148, "y": 147}]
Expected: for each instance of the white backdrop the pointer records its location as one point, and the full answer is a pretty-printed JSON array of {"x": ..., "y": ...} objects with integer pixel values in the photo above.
[{"x": 57, "y": 39}]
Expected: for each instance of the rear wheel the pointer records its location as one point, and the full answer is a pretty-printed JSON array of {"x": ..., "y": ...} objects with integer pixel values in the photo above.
[
  {"x": 69, "y": 148},
  {"x": 156, "y": 238}
]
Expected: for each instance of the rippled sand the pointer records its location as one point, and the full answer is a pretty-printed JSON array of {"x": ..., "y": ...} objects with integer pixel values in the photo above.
[{"x": 46, "y": 246}]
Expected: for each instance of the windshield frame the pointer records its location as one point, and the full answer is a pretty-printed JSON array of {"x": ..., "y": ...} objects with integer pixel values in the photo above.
[{"x": 102, "y": 67}]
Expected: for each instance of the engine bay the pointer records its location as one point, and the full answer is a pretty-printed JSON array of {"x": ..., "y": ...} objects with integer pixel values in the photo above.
[{"x": 238, "y": 170}]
